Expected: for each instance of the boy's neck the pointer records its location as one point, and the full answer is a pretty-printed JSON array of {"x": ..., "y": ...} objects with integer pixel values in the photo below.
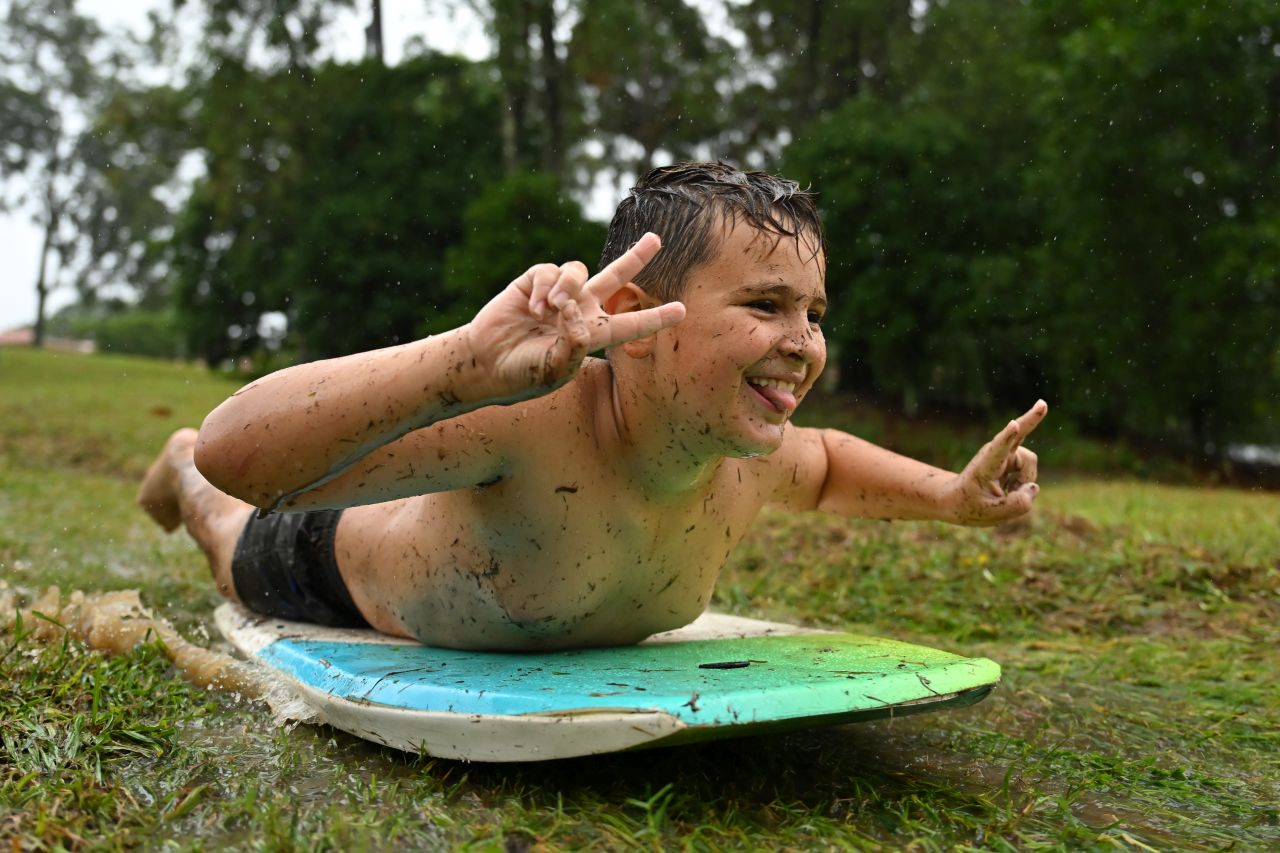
[{"x": 647, "y": 447}]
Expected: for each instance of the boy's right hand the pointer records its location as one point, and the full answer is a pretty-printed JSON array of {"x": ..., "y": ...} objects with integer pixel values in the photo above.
[{"x": 533, "y": 336}]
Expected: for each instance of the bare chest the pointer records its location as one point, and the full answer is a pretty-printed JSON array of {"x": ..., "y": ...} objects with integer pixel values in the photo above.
[{"x": 562, "y": 560}]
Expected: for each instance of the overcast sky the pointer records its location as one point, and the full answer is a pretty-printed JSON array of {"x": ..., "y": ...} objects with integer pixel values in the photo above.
[{"x": 401, "y": 20}]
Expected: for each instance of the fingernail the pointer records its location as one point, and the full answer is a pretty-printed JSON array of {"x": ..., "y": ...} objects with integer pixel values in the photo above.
[
  {"x": 1035, "y": 489},
  {"x": 559, "y": 298},
  {"x": 540, "y": 307}
]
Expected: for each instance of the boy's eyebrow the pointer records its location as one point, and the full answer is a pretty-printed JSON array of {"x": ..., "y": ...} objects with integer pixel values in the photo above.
[{"x": 776, "y": 288}]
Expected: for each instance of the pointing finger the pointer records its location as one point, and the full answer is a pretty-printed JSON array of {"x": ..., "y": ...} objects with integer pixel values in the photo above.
[
  {"x": 620, "y": 328},
  {"x": 624, "y": 268},
  {"x": 1032, "y": 419}
]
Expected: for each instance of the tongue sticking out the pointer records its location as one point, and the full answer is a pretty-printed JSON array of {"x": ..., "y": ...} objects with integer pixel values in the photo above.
[{"x": 783, "y": 401}]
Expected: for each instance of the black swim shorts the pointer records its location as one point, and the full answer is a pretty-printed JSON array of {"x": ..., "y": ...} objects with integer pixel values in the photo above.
[{"x": 285, "y": 566}]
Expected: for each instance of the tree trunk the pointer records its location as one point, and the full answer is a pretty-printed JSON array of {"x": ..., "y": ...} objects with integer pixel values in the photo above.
[
  {"x": 810, "y": 95},
  {"x": 553, "y": 142},
  {"x": 509, "y": 161},
  {"x": 373, "y": 35},
  {"x": 50, "y": 231},
  {"x": 42, "y": 293},
  {"x": 1273, "y": 125},
  {"x": 854, "y": 64},
  {"x": 648, "y": 133},
  {"x": 511, "y": 30}
]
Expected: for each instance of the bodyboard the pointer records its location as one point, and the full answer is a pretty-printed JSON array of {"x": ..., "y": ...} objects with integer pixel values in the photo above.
[{"x": 721, "y": 676}]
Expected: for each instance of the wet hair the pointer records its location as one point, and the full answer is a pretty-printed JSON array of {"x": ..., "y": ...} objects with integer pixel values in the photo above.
[{"x": 685, "y": 202}]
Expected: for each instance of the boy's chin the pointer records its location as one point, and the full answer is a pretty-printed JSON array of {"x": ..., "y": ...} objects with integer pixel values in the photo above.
[{"x": 763, "y": 440}]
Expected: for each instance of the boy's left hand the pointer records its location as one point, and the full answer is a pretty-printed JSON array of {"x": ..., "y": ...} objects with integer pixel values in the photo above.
[{"x": 999, "y": 484}]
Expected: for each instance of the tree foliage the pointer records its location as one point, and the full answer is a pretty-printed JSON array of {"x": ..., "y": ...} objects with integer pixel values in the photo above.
[
  {"x": 811, "y": 57},
  {"x": 278, "y": 33},
  {"x": 1165, "y": 124},
  {"x": 529, "y": 68},
  {"x": 511, "y": 225},
  {"x": 648, "y": 75},
  {"x": 1073, "y": 200},
  {"x": 1076, "y": 203},
  {"x": 331, "y": 198},
  {"x": 90, "y": 152},
  {"x": 49, "y": 82}
]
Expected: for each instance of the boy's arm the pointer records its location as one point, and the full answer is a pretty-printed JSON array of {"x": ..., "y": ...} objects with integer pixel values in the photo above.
[
  {"x": 319, "y": 427},
  {"x": 835, "y": 472}
]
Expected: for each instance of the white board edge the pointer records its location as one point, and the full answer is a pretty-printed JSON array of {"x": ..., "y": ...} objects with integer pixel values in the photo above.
[{"x": 491, "y": 737}]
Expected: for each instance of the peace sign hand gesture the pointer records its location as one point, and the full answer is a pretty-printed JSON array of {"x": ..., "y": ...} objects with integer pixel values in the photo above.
[
  {"x": 532, "y": 337},
  {"x": 999, "y": 484}
]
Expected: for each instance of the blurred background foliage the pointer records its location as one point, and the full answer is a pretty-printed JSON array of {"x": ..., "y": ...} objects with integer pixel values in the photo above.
[{"x": 1073, "y": 200}]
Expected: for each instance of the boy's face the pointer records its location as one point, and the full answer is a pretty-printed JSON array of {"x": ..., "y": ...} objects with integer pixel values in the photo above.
[{"x": 750, "y": 347}]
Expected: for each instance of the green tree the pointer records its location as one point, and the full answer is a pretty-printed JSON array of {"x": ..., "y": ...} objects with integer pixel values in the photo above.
[
  {"x": 531, "y": 76},
  {"x": 647, "y": 74},
  {"x": 277, "y": 33},
  {"x": 926, "y": 273},
  {"x": 90, "y": 149},
  {"x": 1069, "y": 200},
  {"x": 510, "y": 226},
  {"x": 50, "y": 80},
  {"x": 808, "y": 57},
  {"x": 331, "y": 198},
  {"x": 928, "y": 219},
  {"x": 1160, "y": 146},
  {"x": 126, "y": 198}
]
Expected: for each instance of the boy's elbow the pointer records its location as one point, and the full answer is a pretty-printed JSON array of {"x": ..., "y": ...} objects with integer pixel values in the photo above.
[
  {"x": 208, "y": 459},
  {"x": 211, "y": 459},
  {"x": 223, "y": 462}
]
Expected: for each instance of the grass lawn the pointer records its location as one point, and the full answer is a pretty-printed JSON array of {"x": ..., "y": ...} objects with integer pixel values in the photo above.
[{"x": 1136, "y": 623}]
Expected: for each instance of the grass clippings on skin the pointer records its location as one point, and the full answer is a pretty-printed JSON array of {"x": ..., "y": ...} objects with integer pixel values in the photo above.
[{"x": 1136, "y": 625}]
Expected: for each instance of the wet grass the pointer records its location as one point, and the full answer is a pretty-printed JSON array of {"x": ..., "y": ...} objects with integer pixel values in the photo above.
[{"x": 1136, "y": 625}]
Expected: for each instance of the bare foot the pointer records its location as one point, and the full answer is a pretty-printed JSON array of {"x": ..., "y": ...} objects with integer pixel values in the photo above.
[{"x": 158, "y": 494}]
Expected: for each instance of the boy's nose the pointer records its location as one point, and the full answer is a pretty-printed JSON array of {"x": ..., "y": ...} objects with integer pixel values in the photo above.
[{"x": 805, "y": 345}]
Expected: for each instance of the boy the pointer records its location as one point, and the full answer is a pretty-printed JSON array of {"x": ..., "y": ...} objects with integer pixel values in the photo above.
[{"x": 493, "y": 488}]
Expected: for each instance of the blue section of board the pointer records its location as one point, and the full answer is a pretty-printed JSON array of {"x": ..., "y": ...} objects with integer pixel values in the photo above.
[{"x": 703, "y": 683}]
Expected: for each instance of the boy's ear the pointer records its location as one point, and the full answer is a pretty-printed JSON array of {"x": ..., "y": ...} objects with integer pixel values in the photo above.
[{"x": 631, "y": 297}]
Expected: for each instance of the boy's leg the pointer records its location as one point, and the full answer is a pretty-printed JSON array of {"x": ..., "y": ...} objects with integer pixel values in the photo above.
[{"x": 174, "y": 492}]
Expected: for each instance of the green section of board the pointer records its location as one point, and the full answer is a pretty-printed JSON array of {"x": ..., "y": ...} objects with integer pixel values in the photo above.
[{"x": 704, "y": 683}]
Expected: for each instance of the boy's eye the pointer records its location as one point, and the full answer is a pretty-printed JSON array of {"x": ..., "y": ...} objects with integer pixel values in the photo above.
[
  {"x": 761, "y": 305},
  {"x": 815, "y": 318}
]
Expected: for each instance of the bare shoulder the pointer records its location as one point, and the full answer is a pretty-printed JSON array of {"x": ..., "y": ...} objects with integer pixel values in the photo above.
[{"x": 792, "y": 476}]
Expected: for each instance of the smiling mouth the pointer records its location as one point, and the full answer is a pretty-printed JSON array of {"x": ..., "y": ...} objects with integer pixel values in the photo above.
[{"x": 776, "y": 394}]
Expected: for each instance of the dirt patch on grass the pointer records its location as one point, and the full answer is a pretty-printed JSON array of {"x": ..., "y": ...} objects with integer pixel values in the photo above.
[{"x": 86, "y": 452}]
